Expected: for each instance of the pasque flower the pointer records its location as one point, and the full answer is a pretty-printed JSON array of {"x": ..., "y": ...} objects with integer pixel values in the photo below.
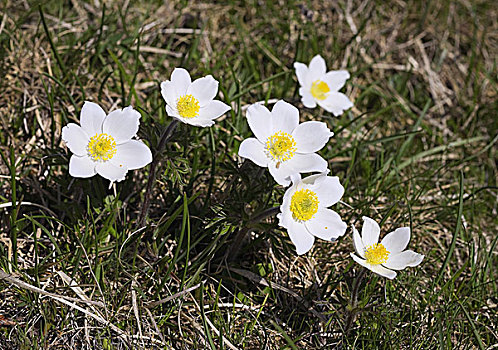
[
  {"x": 104, "y": 145},
  {"x": 304, "y": 210},
  {"x": 386, "y": 256},
  {"x": 282, "y": 144},
  {"x": 192, "y": 102},
  {"x": 322, "y": 88}
]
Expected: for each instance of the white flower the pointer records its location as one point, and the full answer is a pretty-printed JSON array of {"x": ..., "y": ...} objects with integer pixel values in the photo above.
[
  {"x": 192, "y": 102},
  {"x": 387, "y": 255},
  {"x": 304, "y": 210},
  {"x": 318, "y": 86},
  {"x": 282, "y": 144},
  {"x": 103, "y": 144}
]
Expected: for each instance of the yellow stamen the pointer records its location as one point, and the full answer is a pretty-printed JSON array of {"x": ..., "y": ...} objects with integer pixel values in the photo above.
[
  {"x": 188, "y": 106},
  {"x": 304, "y": 205},
  {"x": 280, "y": 147},
  {"x": 376, "y": 254},
  {"x": 101, "y": 147},
  {"x": 319, "y": 90}
]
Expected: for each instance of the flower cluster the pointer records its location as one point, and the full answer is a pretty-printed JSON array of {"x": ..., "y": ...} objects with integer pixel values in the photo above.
[
  {"x": 107, "y": 145},
  {"x": 288, "y": 149}
]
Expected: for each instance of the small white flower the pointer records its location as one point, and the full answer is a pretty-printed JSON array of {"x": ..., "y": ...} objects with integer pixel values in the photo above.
[
  {"x": 387, "y": 255},
  {"x": 282, "y": 144},
  {"x": 103, "y": 144},
  {"x": 318, "y": 86},
  {"x": 304, "y": 210},
  {"x": 192, "y": 102}
]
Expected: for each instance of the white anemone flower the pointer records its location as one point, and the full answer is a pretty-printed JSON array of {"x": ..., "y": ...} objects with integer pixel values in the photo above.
[
  {"x": 386, "y": 256},
  {"x": 104, "y": 145},
  {"x": 282, "y": 144},
  {"x": 321, "y": 87},
  {"x": 304, "y": 210},
  {"x": 192, "y": 102}
]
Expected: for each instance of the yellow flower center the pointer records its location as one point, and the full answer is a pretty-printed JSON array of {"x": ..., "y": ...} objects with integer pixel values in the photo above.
[
  {"x": 319, "y": 90},
  {"x": 101, "y": 147},
  {"x": 304, "y": 205},
  {"x": 281, "y": 146},
  {"x": 188, "y": 106},
  {"x": 376, "y": 254}
]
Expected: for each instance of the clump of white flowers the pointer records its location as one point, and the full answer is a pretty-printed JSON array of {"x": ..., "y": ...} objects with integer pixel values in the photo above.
[{"x": 106, "y": 145}]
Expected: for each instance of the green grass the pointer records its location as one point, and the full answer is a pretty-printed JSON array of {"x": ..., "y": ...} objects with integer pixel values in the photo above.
[{"x": 211, "y": 268}]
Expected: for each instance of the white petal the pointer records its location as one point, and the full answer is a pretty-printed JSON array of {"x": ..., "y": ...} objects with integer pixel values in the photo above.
[
  {"x": 326, "y": 224},
  {"x": 397, "y": 240},
  {"x": 281, "y": 175},
  {"x": 75, "y": 138},
  {"x": 81, "y": 166},
  {"x": 382, "y": 271},
  {"x": 111, "y": 172},
  {"x": 401, "y": 260},
  {"x": 302, "y": 74},
  {"x": 307, "y": 98},
  {"x": 285, "y": 117},
  {"x": 314, "y": 179},
  {"x": 169, "y": 93},
  {"x": 196, "y": 121},
  {"x": 288, "y": 195},
  {"x": 336, "y": 79},
  {"x": 122, "y": 124},
  {"x": 133, "y": 154},
  {"x": 213, "y": 110},
  {"x": 91, "y": 118},
  {"x": 259, "y": 119},
  {"x": 370, "y": 231},
  {"x": 172, "y": 111},
  {"x": 301, "y": 238},
  {"x": 254, "y": 150},
  {"x": 203, "y": 89},
  {"x": 305, "y": 163},
  {"x": 285, "y": 218},
  {"x": 378, "y": 269},
  {"x": 317, "y": 69},
  {"x": 360, "y": 261},
  {"x": 358, "y": 243},
  {"x": 310, "y": 137},
  {"x": 181, "y": 81},
  {"x": 328, "y": 190},
  {"x": 336, "y": 103}
]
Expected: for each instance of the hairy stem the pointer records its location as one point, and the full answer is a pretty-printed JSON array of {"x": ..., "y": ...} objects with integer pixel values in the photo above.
[
  {"x": 168, "y": 132},
  {"x": 354, "y": 300},
  {"x": 239, "y": 238}
]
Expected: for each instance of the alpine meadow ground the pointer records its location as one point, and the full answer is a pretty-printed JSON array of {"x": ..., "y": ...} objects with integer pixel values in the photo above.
[{"x": 188, "y": 252}]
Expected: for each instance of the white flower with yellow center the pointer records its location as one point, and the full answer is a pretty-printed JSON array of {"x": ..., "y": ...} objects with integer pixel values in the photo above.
[
  {"x": 322, "y": 88},
  {"x": 282, "y": 144},
  {"x": 103, "y": 144},
  {"x": 386, "y": 256},
  {"x": 192, "y": 102},
  {"x": 304, "y": 210}
]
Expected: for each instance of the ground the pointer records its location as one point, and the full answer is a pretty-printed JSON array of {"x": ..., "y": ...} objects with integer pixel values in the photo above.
[{"x": 209, "y": 267}]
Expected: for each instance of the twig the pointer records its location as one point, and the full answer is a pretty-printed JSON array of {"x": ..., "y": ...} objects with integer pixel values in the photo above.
[
  {"x": 168, "y": 132},
  {"x": 9, "y": 278},
  {"x": 171, "y": 297}
]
